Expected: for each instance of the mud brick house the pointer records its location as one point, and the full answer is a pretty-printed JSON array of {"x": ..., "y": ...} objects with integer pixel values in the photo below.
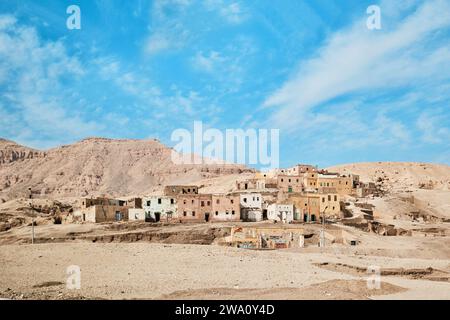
[
  {"x": 102, "y": 210},
  {"x": 194, "y": 207},
  {"x": 172, "y": 191},
  {"x": 287, "y": 183},
  {"x": 306, "y": 206},
  {"x": 226, "y": 207},
  {"x": 330, "y": 204}
]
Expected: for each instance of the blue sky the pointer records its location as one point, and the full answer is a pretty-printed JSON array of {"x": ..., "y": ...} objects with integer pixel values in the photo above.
[{"x": 337, "y": 91}]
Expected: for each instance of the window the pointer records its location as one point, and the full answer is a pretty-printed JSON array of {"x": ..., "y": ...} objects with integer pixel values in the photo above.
[
  {"x": 257, "y": 198},
  {"x": 335, "y": 198},
  {"x": 346, "y": 182},
  {"x": 232, "y": 212},
  {"x": 227, "y": 212},
  {"x": 329, "y": 198},
  {"x": 281, "y": 180},
  {"x": 231, "y": 200},
  {"x": 148, "y": 203},
  {"x": 245, "y": 200},
  {"x": 159, "y": 200},
  {"x": 203, "y": 203},
  {"x": 184, "y": 213},
  {"x": 333, "y": 208},
  {"x": 208, "y": 203},
  {"x": 297, "y": 180},
  {"x": 217, "y": 201},
  {"x": 192, "y": 201},
  {"x": 217, "y": 213},
  {"x": 172, "y": 201},
  {"x": 189, "y": 190},
  {"x": 289, "y": 180},
  {"x": 193, "y": 213},
  {"x": 323, "y": 199}
]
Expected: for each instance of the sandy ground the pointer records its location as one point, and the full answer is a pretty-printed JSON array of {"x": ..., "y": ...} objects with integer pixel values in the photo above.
[{"x": 169, "y": 271}]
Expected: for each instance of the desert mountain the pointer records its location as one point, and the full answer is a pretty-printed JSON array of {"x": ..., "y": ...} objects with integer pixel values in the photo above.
[
  {"x": 97, "y": 166},
  {"x": 410, "y": 187}
]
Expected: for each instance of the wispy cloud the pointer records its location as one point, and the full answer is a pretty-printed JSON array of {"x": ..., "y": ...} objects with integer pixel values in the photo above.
[
  {"x": 358, "y": 59},
  {"x": 33, "y": 91},
  {"x": 232, "y": 11}
]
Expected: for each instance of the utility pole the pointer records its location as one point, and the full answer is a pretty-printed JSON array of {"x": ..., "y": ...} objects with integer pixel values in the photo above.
[
  {"x": 322, "y": 232},
  {"x": 32, "y": 231}
]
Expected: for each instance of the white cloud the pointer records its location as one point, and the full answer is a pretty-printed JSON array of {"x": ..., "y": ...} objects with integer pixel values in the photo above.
[
  {"x": 358, "y": 59},
  {"x": 432, "y": 127},
  {"x": 209, "y": 62},
  {"x": 231, "y": 12},
  {"x": 167, "y": 31},
  {"x": 32, "y": 92}
]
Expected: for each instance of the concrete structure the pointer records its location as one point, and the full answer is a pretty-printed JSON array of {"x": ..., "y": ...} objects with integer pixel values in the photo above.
[
  {"x": 225, "y": 207},
  {"x": 194, "y": 207},
  {"x": 160, "y": 208},
  {"x": 283, "y": 213}
]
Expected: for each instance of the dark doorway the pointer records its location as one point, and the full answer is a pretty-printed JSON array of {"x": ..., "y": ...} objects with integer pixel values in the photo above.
[
  {"x": 157, "y": 216},
  {"x": 305, "y": 217},
  {"x": 206, "y": 217},
  {"x": 264, "y": 214},
  {"x": 313, "y": 218}
]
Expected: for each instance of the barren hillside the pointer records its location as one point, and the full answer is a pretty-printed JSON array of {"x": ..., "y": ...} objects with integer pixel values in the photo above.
[
  {"x": 96, "y": 166},
  {"x": 400, "y": 176}
]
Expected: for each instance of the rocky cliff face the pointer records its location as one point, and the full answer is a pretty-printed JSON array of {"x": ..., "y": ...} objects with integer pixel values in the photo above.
[
  {"x": 10, "y": 152},
  {"x": 97, "y": 166}
]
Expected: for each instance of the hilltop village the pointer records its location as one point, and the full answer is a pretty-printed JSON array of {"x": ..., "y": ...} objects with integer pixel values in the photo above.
[{"x": 301, "y": 194}]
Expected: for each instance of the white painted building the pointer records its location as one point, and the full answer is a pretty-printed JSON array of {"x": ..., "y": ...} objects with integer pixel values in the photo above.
[
  {"x": 280, "y": 212},
  {"x": 160, "y": 208},
  {"x": 251, "y": 206}
]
